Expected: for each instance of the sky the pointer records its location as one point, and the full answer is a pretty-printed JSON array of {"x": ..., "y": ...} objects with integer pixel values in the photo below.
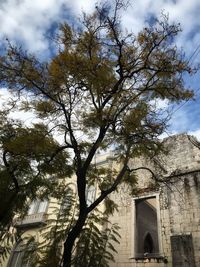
[{"x": 31, "y": 23}]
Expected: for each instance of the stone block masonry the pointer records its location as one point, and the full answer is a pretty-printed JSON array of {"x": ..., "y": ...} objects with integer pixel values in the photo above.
[{"x": 177, "y": 209}]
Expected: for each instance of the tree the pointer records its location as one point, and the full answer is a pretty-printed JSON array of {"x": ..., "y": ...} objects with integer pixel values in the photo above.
[
  {"x": 27, "y": 172},
  {"x": 98, "y": 92}
]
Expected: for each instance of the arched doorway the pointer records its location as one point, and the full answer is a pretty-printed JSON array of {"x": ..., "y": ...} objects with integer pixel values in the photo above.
[{"x": 22, "y": 254}]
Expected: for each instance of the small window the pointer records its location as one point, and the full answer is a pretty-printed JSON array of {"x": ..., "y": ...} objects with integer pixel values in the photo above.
[
  {"x": 90, "y": 194},
  {"x": 146, "y": 227},
  {"x": 42, "y": 206},
  {"x": 38, "y": 206}
]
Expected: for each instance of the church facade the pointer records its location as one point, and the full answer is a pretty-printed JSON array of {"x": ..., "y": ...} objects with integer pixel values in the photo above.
[{"x": 160, "y": 227}]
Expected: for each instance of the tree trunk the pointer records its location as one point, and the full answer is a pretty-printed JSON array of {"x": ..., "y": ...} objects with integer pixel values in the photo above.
[
  {"x": 7, "y": 208},
  {"x": 72, "y": 236}
]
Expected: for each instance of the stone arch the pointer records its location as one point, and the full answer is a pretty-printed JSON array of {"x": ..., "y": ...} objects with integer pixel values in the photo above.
[{"x": 21, "y": 256}]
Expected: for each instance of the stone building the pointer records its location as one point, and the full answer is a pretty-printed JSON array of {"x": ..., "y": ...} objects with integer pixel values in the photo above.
[{"x": 160, "y": 227}]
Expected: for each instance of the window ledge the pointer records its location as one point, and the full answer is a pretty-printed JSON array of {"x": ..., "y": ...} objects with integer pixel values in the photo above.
[
  {"x": 155, "y": 258},
  {"x": 32, "y": 220}
]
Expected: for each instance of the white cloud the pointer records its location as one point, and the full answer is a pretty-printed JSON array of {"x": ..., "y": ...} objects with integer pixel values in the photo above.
[
  {"x": 81, "y": 5},
  {"x": 29, "y": 20},
  {"x": 195, "y": 133},
  {"x": 184, "y": 12},
  {"x": 160, "y": 103},
  {"x": 27, "y": 117}
]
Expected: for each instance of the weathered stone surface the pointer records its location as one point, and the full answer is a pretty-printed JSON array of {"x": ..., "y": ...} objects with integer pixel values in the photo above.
[{"x": 178, "y": 208}]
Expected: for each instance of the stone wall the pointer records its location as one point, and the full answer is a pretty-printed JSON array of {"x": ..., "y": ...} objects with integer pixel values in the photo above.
[
  {"x": 178, "y": 209},
  {"x": 177, "y": 204}
]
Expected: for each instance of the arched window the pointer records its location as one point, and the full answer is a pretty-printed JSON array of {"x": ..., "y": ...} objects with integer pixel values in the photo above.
[
  {"x": 146, "y": 228},
  {"x": 148, "y": 244},
  {"x": 22, "y": 255}
]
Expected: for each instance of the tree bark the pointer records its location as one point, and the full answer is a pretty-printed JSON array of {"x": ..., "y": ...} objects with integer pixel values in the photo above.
[
  {"x": 7, "y": 208},
  {"x": 72, "y": 236}
]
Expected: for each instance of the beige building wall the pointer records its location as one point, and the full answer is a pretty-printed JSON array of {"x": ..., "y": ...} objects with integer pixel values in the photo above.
[
  {"x": 177, "y": 205},
  {"x": 178, "y": 209},
  {"x": 32, "y": 225}
]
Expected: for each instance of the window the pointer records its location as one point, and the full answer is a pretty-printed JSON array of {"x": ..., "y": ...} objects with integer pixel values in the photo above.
[
  {"x": 38, "y": 206},
  {"x": 90, "y": 194},
  {"x": 67, "y": 202},
  {"x": 182, "y": 250},
  {"x": 22, "y": 255},
  {"x": 146, "y": 227}
]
